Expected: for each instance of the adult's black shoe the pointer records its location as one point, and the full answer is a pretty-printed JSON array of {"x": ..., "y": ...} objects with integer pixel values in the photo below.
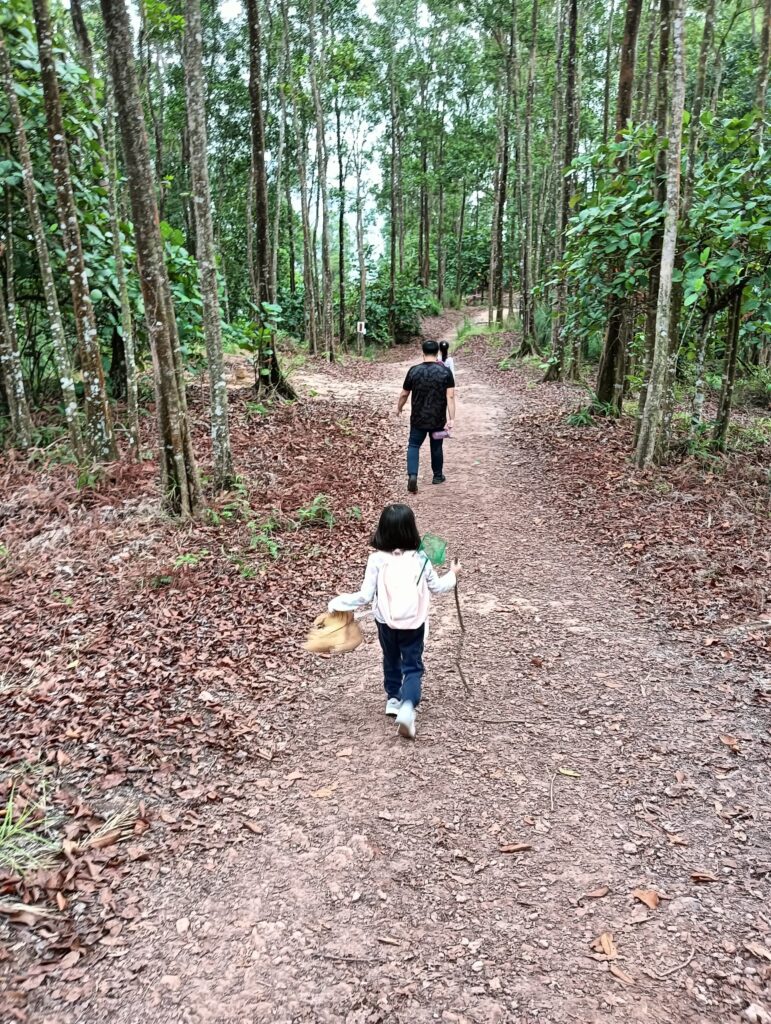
[
  {"x": 412, "y": 484},
  {"x": 439, "y": 479}
]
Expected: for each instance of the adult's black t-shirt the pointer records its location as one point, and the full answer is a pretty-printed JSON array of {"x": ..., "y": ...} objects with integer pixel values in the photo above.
[{"x": 428, "y": 384}]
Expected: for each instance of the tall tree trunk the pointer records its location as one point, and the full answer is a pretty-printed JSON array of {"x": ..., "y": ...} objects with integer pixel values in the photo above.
[
  {"x": 327, "y": 326},
  {"x": 763, "y": 69},
  {"x": 361, "y": 254},
  {"x": 394, "y": 202},
  {"x": 648, "y": 81},
  {"x": 270, "y": 377},
  {"x": 98, "y": 433},
  {"x": 126, "y": 320},
  {"x": 440, "y": 257},
  {"x": 274, "y": 248},
  {"x": 290, "y": 236},
  {"x": 662, "y": 130},
  {"x": 608, "y": 72},
  {"x": 559, "y": 152},
  {"x": 10, "y": 358},
  {"x": 648, "y": 439},
  {"x": 694, "y": 127},
  {"x": 261, "y": 208},
  {"x": 301, "y": 146},
  {"x": 528, "y": 322},
  {"x": 340, "y": 221},
  {"x": 204, "y": 232},
  {"x": 699, "y": 374},
  {"x": 109, "y": 148},
  {"x": 13, "y": 377},
  {"x": 61, "y": 353},
  {"x": 557, "y": 367},
  {"x": 179, "y": 477},
  {"x": 459, "y": 251},
  {"x": 729, "y": 370},
  {"x": 608, "y": 392}
]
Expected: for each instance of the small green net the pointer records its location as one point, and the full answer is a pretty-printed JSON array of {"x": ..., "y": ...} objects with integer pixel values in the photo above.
[{"x": 434, "y": 548}]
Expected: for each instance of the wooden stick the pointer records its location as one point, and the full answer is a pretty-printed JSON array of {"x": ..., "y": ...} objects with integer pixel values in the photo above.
[{"x": 460, "y": 642}]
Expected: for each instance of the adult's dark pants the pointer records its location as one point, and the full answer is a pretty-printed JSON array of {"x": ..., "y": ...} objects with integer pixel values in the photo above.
[
  {"x": 402, "y": 661},
  {"x": 417, "y": 437}
]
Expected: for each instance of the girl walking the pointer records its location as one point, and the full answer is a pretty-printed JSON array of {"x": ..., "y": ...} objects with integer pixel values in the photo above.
[
  {"x": 398, "y": 582},
  {"x": 445, "y": 358}
]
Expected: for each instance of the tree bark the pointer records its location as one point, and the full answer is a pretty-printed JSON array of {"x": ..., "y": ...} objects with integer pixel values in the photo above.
[
  {"x": 12, "y": 374},
  {"x": 361, "y": 254},
  {"x": 650, "y": 424},
  {"x": 608, "y": 393},
  {"x": 394, "y": 202},
  {"x": 126, "y": 320},
  {"x": 528, "y": 318},
  {"x": 459, "y": 251},
  {"x": 729, "y": 370},
  {"x": 261, "y": 210},
  {"x": 765, "y": 61},
  {"x": 662, "y": 130},
  {"x": 179, "y": 477},
  {"x": 608, "y": 66},
  {"x": 204, "y": 232},
  {"x": 327, "y": 327},
  {"x": 290, "y": 236},
  {"x": 556, "y": 370},
  {"x": 340, "y": 222},
  {"x": 301, "y": 147},
  {"x": 99, "y": 439},
  {"x": 110, "y": 183},
  {"x": 61, "y": 353},
  {"x": 694, "y": 128}
]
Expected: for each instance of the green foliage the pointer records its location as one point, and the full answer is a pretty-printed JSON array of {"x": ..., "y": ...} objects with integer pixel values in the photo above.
[
  {"x": 191, "y": 559},
  {"x": 411, "y": 303},
  {"x": 317, "y": 513},
  {"x": 581, "y": 418}
]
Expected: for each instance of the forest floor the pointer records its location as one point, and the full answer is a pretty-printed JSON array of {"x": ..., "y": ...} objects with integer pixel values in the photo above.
[{"x": 583, "y": 838}]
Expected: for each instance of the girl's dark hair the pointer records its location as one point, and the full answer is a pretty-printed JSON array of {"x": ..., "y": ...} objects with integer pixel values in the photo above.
[
  {"x": 397, "y": 530},
  {"x": 444, "y": 348}
]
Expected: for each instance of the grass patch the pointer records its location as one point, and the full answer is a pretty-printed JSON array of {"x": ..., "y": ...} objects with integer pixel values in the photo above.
[{"x": 28, "y": 830}]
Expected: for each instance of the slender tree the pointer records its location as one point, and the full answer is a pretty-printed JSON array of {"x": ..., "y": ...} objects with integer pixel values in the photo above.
[
  {"x": 556, "y": 370},
  {"x": 764, "y": 65},
  {"x": 316, "y": 60},
  {"x": 204, "y": 233},
  {"x": 12, "y": 373},
  {"x": 650, "y": 424},
  {"x": 98, "y": 433},
  {"x": 610, "y": 374},
  {"x": 61, "y": 353},
  {"x": 179, "y": 477}
]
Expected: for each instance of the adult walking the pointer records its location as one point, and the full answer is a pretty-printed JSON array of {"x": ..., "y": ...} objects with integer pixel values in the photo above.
[{"x": 432, "y": 387}]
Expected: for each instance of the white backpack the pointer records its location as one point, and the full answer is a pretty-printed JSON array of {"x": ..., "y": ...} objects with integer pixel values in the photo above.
[{"x": 402, "y": 591}]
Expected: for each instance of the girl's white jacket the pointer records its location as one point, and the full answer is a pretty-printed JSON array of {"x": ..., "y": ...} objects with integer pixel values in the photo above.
[{"x": 368, "y": 593}]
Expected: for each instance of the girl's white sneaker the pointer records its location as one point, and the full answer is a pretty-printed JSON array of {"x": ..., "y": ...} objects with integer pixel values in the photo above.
[
  {"x": 405, "y": 720},
  {"x": 392, "y": 706}
]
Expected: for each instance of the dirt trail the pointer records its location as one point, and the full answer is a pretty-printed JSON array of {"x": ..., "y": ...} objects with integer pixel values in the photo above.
[{"x": 376, "y": 889}]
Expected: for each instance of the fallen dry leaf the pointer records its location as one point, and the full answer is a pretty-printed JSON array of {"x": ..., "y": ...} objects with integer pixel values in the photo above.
[
  {"x": 621, "y": 974},
  {"x": 649, "y": 897},
  {"x": 605, "y": 945},
  {"x": 731, "y": 742},
  {"x": 569, "y": 772},
  {"x": 702, "y": 877},
  {"x": 325, "y": 792},
  {"x": 761, "y": 952},
  {"x": 597, "y": 894},
  {"x": 514, "y": 848}
]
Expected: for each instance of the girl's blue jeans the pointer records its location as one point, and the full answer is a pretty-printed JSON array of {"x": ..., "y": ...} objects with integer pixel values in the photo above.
[{"x": 402, "y": 661}]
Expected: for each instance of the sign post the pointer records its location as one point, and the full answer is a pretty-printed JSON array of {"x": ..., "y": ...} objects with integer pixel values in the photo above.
[{"x": 361, "y": 330}]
